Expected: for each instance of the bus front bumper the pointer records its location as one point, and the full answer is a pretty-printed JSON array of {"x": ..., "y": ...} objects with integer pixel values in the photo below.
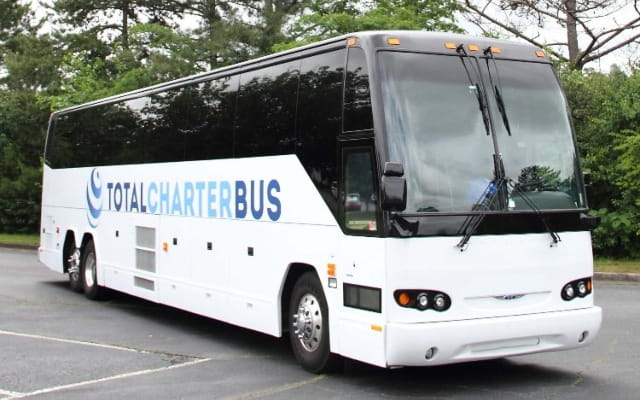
[{"x": 424, "y": 344}]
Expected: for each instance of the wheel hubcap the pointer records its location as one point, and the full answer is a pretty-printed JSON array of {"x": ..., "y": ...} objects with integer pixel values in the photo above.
[
  {"x": 89, "y": 269},
  {"x": 307, "y": 322},
  {"x": 74, "y": 263}
]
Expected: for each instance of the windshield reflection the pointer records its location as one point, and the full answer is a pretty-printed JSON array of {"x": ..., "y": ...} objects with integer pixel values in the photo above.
[{"x": 435, "y": 128}]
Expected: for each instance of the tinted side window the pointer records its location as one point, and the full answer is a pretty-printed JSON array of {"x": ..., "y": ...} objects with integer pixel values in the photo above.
[
  {"x": 211, "y": 118},
  {"x": 94, "y": 136},
  {"x": 167, "y": 118},
  {"x": 265, "y": 118},
  {"x": 319, "y": 122},
  {"x": 357, "y": 100}
]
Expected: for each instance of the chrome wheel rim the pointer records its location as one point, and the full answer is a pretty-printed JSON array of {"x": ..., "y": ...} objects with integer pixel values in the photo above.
[
  {"x": 307, "y": 322},
  {"x": 89, "y": 270},
  {"x": 74, "y": 264}
]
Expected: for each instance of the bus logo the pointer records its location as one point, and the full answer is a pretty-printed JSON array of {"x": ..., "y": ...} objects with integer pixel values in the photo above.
[{"x": 94, "y": 198}]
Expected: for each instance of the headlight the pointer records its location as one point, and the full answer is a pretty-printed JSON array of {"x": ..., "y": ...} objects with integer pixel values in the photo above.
[
  {"x": 422, "y": 299},
  {"x": 578, "y": 288}
]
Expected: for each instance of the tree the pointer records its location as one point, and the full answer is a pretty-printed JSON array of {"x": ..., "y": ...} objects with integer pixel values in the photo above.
[
  {"x": 606, "y": 111},
  {"x": 579, "y": 19},
  {"x": 328, "y": 18},
  {"x": 28, "y": 62},
  {"x": 103, "y": 16}
]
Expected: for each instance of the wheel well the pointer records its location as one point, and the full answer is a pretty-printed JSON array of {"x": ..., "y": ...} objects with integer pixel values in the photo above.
[
  {"x": 67, "y": 248},
  {"x": 70, "y": 243},
  {"x": 296, "y": 270},
  {"x": 85, "y": 239}
]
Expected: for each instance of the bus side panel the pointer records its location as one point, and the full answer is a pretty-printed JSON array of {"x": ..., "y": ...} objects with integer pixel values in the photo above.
[
  {"x": 360, "y": 332},
  {"x": 211, "y": 237}
]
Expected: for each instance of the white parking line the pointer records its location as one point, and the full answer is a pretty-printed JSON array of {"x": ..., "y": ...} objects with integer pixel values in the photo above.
[
  {"x": 275, "y": 389},
  {"x": 107, "y": 379},
  {"x": 71, "y": 341},
  {"x": 9, "y": 393}
]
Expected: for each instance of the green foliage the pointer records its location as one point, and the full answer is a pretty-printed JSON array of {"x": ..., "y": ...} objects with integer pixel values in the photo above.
[
  {"x": 335, "y": 18},
  {"x": 606, "y": 111}
]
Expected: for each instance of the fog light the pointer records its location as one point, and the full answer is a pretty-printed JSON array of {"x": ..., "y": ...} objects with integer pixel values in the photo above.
[
  {"x": 422, "y": 300},
  {"x": 439, "y": 302},
  {"x": 583, "y": 336},
  {"x": 431, "y": 352},
  {"x": 582, "y": 288}
]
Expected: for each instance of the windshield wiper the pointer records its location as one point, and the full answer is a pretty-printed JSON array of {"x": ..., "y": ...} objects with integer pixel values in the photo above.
[
  {"x": 484, "y": 203},
  {"x": 515, "y": 186},
  {"x": 497, "y": 88},
  {"x": 482, "y": 103}
]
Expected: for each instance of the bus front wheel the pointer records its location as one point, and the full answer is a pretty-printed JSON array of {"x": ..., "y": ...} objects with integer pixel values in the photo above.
[
  {"x": 309, "y": 326},
  {"x": 89, "y": 272}
]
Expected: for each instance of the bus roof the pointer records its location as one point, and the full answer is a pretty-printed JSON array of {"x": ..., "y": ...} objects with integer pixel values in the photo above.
[{"x": 421, "y": 41}]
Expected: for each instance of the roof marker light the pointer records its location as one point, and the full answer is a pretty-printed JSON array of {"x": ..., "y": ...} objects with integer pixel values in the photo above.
[
  {"x": 351, "y": 41},
  {"x": 496, "y": 50},
  {"x": 540, "y": 54},
  {"x": 450, "y": 45},
  {"x": 393, "y": 41},
  {"x": 473, "y": 47}
]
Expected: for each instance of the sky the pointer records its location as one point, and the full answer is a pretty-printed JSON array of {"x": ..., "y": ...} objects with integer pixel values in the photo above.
[{"x": 550, "y": 33}]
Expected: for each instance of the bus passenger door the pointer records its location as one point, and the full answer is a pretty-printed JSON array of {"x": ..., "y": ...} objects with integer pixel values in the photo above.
[
  {"x": 361, "y": 255},
  {"x": 358, "y": 189}
]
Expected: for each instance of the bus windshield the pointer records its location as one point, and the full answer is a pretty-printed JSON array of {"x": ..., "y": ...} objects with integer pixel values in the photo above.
[{"x": 435, "y": 128}]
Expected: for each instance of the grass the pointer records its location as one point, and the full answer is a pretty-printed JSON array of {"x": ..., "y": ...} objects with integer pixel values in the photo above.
[
  {"x": 20, "y": 239},
  {"x": 617, "y": 265}
]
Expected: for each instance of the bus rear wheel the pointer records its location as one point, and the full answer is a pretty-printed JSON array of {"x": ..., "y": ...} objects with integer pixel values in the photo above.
[
  {"x": 73, "y": 267},
  {"x": 89, "y": 272},
  {"x": 309, "y": 326}
]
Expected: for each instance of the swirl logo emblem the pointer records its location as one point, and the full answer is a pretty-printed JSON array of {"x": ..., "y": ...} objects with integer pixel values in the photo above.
[{"x": 94, "y": 198}]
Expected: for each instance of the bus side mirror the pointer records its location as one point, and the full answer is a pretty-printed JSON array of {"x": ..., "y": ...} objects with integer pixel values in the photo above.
[{"x": 394, "y": 187}]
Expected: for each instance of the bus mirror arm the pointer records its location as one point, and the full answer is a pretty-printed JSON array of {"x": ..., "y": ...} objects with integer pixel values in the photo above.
[{"x": 590, "y": 222}]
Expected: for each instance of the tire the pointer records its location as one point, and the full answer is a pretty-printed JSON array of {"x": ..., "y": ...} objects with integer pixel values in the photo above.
[
  {"x": 309, "y": 323},
  {"x": 72, "y": 265},
  {"x": 89, "y": 273}
]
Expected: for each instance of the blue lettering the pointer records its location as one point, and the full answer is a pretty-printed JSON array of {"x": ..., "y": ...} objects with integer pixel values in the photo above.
[
  {"x": 127, "y": 206},
  {"x": 134, "y": 200},
  {"x": 274, "y": 213},
  {"x": 109, "y": 187},
  {"x": 225, "y": 199},
  {"x": 143, "y": 207},
  {"x": 200, "y": 189},
  {"x": 164, "y": 198},
  {"x": 211, "y": 199},
  {"x": 117, "y": 196},
  {"x": 241, "y": 199},
  {"x": 257, "y": 197},
  {"x": 188, "y": 198},
  {"x": 153, "y": 205},
  {"x": 176, "y": 204}
]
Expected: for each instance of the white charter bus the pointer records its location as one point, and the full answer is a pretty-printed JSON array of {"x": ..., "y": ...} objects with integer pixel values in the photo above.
[{"x": 398, "y": 198}]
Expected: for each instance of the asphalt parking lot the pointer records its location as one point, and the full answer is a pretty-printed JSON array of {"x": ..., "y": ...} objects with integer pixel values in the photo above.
[{"x": 55, "y": 344}]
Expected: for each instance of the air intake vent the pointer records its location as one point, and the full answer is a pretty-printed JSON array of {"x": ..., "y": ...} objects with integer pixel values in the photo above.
[
  {"x": 144, "y": 283},
  {"x": 146, "y": 249}
]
